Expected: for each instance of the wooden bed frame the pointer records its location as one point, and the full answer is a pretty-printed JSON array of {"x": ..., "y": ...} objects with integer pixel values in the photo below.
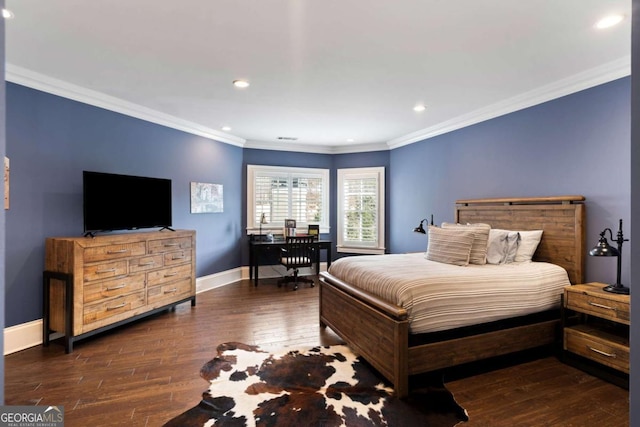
[{"x": 379, "y": 331}]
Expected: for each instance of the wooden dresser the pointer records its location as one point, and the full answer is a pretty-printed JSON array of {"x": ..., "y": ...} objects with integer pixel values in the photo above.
[
  {"x": 92, "y": 284},
  {"x": 596, "y": 328}
]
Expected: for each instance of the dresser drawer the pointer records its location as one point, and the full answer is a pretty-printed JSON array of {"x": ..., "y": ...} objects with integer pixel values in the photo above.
[
  {"x": 605, "y": 308},
  {"x": 121, "y": 250},
  {"x": 145, "y": 263},
  {"x": 172, "y": 244},
  {"x": 105, "y": 270},
  {"x": 112, "y": 288},
  {"x": 167, "y": 275},
  {"x": 165, "y": 294},
  {"x": 178, "y": 257},
  {"x": 103, "y": 310},
  {"x": 608, "y": 350}
]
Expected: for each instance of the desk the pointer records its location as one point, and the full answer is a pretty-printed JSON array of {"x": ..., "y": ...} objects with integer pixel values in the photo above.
[{"x": 257, "y": 248}]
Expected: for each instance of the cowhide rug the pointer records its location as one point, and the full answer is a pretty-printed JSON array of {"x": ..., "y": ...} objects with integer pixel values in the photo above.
[{"x": 320, "y": 386}]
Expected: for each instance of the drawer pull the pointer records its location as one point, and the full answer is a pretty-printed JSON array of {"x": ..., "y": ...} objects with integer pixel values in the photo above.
[
  {"x": 115, "y": 307},
  {"x": 175, "y": 258},
  {"x": 595, "y": 350},
  {"x": 171, "y": 245},
  {"x": 146, "y": 264},
  {"x": 606, "y": 307},
  {"x": 170, "y": 274},
  {"x": 108, "y": 270},
  {"x": 171, "y": 291},
  {"x": 113, "y": 288},
  {"x": 119, "y": 251}
]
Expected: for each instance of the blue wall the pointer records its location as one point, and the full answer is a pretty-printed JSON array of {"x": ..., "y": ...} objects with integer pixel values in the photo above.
[
  {"x": 51, "y": 140},
  {"x": 553, "y": 148},
  {"x": 577, "y": 144}
]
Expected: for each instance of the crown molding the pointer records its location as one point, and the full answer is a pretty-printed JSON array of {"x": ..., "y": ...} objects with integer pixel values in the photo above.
[
  {"x": 34, "y": 80},
  {"x": 581, "y": 81},
  {"x": 315, "y": 148}
]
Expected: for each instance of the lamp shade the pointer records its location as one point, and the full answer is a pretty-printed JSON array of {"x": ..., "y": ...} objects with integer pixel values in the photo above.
[
  {"x": 420, "y": 229},
  {"x": 603, "y": 248},
  {"x": 263, "y": 219}
]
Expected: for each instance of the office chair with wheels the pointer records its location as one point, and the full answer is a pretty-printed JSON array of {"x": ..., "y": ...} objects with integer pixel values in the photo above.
[{"x": 298, "y": 252}]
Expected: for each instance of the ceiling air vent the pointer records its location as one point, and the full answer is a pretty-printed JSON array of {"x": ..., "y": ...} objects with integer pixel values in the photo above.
[{"x": 287, "y": 138}]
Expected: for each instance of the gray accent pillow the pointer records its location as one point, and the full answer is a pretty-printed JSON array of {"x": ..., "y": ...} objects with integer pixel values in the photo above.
[
  {"x": 497, "y": 246},
  {"x": 502, "y": 246},
  {"x": 513, "y": 243}
]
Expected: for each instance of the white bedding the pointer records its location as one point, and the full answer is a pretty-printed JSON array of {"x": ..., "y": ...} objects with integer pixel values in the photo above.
[{"x": 441, "y": 296}]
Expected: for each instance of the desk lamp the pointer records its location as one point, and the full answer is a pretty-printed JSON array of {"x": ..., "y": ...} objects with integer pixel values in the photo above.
[
  {"x": 420, "y": 228},
  {"x": 604, "y": 249},
  {"x": 263, "y": 220}
]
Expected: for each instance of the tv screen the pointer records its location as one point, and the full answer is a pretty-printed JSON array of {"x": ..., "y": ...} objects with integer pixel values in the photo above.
[{"x": 125, "y": 202}]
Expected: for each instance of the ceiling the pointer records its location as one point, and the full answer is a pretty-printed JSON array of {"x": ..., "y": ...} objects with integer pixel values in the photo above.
[{"x": 339, "y": 76}]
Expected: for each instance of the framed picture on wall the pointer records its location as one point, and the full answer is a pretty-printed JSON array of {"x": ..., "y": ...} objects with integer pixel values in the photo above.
[{"x": 206, "y": 198}]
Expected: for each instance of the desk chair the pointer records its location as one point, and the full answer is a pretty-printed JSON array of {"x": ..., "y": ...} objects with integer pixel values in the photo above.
[{"x": 298, "y": 252}]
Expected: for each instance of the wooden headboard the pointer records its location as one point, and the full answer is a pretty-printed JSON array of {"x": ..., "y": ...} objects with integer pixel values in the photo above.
[{"x": 561, "y": 217}]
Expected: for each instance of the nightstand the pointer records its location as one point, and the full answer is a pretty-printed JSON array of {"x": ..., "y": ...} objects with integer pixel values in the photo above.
[{"x": 596, "y": 331}]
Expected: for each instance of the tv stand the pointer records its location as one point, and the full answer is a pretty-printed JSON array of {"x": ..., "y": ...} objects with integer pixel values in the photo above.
[{"x": 92, "y": 285}]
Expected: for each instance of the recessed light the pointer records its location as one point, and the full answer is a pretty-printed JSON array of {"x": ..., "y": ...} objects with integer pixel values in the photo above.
[
  {"x": 609, "y": 21},
  {"x": 7, "y": 14},
  {"x": 350, "y": 140},
  {"x": 419, "y": 108},
  {"x": 226, "y": 128},
  {"x": 241, "y": 83}
]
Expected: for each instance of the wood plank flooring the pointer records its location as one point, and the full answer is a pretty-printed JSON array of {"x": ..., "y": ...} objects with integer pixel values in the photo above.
[{"x": 145, "y": 373}]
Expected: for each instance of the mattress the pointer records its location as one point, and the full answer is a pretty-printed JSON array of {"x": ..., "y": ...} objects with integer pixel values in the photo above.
[{"x": 440, "y": 296}]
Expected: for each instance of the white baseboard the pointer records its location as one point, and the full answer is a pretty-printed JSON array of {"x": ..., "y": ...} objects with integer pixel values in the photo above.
[
  {"x": 22, "y": 336},
  {"x": 25, "y": 335},
  {"x": 217, "y": 280}
]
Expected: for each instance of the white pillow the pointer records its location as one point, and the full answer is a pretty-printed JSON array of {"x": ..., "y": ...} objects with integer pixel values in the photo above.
[{"x": 529, "y": 241}]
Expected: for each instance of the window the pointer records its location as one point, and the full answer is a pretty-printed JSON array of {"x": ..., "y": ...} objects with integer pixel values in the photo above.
[
  {"x": 287, "y": 193},
  {"x": 361, "y": 210}
]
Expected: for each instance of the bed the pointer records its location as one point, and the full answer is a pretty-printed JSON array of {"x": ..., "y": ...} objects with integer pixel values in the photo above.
[{"x": 381, "y": 331}]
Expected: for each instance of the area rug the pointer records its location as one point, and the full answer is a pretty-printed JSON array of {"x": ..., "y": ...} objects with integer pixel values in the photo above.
[{"x": 319, "y": 386}]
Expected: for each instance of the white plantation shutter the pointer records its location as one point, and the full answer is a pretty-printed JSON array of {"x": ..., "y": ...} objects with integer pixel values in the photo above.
[
  {"x": 287, "y": 193},
  {"x": 361, "y": 210}
]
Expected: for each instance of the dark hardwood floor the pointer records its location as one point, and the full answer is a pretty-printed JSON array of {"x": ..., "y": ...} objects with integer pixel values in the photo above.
[{"x": 145, "y": 373}]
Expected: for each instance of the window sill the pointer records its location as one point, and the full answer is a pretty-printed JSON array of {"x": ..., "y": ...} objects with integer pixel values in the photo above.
[{"x": 360, "y": 250}]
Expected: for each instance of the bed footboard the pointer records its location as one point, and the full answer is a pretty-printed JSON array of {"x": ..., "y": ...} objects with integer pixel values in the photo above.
[{"x": 373, "y": 328}]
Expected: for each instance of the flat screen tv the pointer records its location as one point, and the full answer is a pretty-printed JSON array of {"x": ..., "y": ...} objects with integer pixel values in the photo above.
[{"x": 125, "y": 202}]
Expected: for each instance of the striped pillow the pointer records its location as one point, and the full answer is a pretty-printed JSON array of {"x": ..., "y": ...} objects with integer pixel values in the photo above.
[
  {"x": 480, "y": 240},
  {"x": 450, "y": 246}
]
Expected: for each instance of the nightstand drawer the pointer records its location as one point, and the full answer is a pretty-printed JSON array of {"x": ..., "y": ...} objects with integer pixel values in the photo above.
[
  {"x": 600, "y": 347},
  {"x": 603, "y": 307}
]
